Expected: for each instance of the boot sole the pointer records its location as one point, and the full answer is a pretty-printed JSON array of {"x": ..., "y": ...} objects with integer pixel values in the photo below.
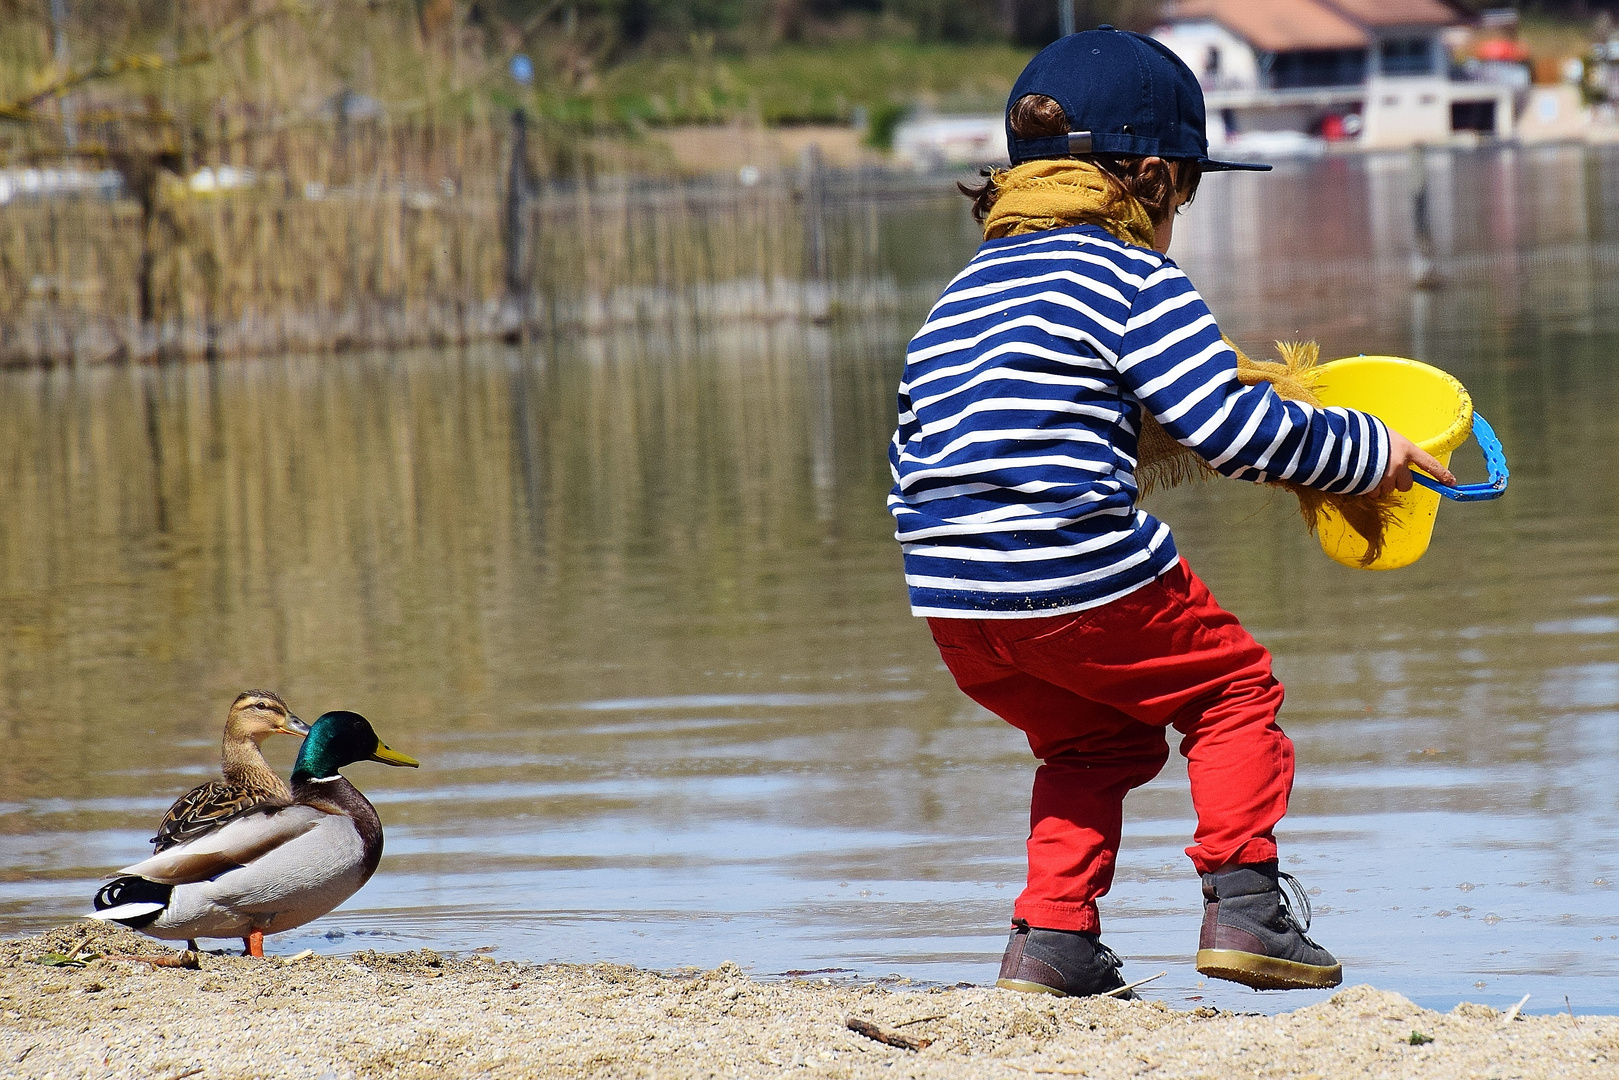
[
  {"x": 1267, "y": 972},
  {"x": 1026, "y": 986}
]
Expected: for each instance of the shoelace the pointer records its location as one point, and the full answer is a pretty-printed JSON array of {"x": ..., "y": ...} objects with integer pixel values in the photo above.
[
  {"x": 1108, "y": 956},
  {"x": 1290, "y": 908}
]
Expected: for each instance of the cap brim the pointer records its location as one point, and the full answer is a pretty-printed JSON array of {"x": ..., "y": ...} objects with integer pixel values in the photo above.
[{"x": 1210, "y": 165}]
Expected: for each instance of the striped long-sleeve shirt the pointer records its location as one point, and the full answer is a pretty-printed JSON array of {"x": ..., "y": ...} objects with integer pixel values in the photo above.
[{"x": 1014, "y": 460}]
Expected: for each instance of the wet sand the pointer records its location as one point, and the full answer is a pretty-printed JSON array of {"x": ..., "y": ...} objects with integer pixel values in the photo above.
[{"x": 417, "y": 1014}]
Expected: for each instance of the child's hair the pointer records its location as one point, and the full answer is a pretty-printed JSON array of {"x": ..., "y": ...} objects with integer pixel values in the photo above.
[{"x": 1036, "y": 116}]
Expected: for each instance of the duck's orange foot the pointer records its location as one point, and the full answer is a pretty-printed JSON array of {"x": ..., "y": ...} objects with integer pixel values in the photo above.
[{"x": 254, "y": 942}]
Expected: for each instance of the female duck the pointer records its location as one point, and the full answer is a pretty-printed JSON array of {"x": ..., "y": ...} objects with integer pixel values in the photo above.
[
  {"x": 271, "y": 867},
  {"x": 248, "y": 781}
]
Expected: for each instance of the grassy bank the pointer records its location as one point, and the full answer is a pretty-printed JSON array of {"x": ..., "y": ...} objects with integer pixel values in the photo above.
[{"x": 801, "y": 85}]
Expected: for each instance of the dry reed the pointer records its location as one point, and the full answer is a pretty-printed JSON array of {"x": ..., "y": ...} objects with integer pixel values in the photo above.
[{"x": 381, "y": 234}]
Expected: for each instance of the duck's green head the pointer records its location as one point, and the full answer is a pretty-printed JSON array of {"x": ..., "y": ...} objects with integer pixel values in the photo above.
[{"x": 342, "y": 738}]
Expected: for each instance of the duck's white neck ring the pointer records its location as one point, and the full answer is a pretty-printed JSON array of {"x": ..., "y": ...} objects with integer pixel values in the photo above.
[{"x": 324, "y": 779}]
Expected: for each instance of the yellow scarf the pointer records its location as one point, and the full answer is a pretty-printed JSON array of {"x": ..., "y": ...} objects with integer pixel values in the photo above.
[{"x": 1057, "y": 193}]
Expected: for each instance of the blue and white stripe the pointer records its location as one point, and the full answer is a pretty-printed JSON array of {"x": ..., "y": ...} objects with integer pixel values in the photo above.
[{"x": 1014, "y": 460}]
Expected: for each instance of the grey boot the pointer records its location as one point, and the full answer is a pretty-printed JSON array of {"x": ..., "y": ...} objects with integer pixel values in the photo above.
[
  {"x": 1251, "y": 934},
  {"x": 1067, "y": 963}
]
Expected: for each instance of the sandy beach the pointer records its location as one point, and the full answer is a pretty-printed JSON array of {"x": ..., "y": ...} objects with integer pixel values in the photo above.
[{"x": 417, "y": 1014}]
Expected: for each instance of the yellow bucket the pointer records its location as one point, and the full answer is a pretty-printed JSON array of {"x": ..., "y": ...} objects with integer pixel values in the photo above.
[{"x": 1424, "y": 404}]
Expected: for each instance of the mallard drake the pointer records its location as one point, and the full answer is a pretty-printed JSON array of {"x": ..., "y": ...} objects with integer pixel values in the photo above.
[
  {"x": 270, "y": 867},
  {"x": 248, "y": 779}
]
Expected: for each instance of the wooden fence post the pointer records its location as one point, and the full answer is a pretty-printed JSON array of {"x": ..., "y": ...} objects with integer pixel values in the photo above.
[
  {"x": 812, "y": 179},
  {"x": 515, "y": 232}
]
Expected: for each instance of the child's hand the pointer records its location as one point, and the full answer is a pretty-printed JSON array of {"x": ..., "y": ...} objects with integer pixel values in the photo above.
[{"x": 1403, "y": 453}]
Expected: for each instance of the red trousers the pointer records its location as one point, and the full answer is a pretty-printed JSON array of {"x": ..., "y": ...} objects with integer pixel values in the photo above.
[{"x": 1094, "y": 692}]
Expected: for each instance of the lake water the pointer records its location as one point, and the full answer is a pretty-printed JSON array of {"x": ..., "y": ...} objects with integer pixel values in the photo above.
[{"x": 634, "y": 602}]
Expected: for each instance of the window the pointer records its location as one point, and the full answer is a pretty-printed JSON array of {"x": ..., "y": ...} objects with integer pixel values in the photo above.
[
  {"x": 1476, "y": 116},
  {"x": 1407, "y": 56},
  {"x": 1315, "y": 67}
]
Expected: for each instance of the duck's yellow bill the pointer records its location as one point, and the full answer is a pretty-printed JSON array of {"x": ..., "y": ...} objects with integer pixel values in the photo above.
[{"x": 394, "y": 757}]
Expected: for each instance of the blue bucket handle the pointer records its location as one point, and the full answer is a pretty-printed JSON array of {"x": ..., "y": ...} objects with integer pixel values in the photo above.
[{"x": 1494, "y": 457}]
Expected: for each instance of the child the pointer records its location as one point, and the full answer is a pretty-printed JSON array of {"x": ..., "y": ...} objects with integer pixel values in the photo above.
[{"x": 1054, "y": 601}]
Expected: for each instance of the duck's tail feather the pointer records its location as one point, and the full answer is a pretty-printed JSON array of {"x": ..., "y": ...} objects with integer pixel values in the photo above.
[{"x": 133, "y": 901}]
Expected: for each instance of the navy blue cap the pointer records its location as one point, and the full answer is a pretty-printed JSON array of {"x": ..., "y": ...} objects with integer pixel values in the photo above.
[{"x": 1124, "y": 93}]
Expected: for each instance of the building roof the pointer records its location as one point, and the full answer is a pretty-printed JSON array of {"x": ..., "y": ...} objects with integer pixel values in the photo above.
[
  {"x": 1378, "y": 14},
  {"x": 1275, "y": 25},
  {"x": 1290, "y": 25}
]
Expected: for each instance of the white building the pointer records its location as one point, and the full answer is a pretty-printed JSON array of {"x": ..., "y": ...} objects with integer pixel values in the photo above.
[
  {"x": 1375, "y": 71},
  {"x": 937, "y": 142}
]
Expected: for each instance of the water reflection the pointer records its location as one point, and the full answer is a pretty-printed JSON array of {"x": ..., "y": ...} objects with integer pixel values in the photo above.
[{"x": 634, "y": 603}]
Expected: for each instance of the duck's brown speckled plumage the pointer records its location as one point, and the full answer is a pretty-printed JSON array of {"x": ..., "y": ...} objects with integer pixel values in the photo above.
[{"x": 248, "y": 779}]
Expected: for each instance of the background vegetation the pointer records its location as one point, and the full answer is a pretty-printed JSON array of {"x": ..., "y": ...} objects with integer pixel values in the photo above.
[
  {"x": 598, "y": 67},
  {"x": 334, "y": 174}
]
